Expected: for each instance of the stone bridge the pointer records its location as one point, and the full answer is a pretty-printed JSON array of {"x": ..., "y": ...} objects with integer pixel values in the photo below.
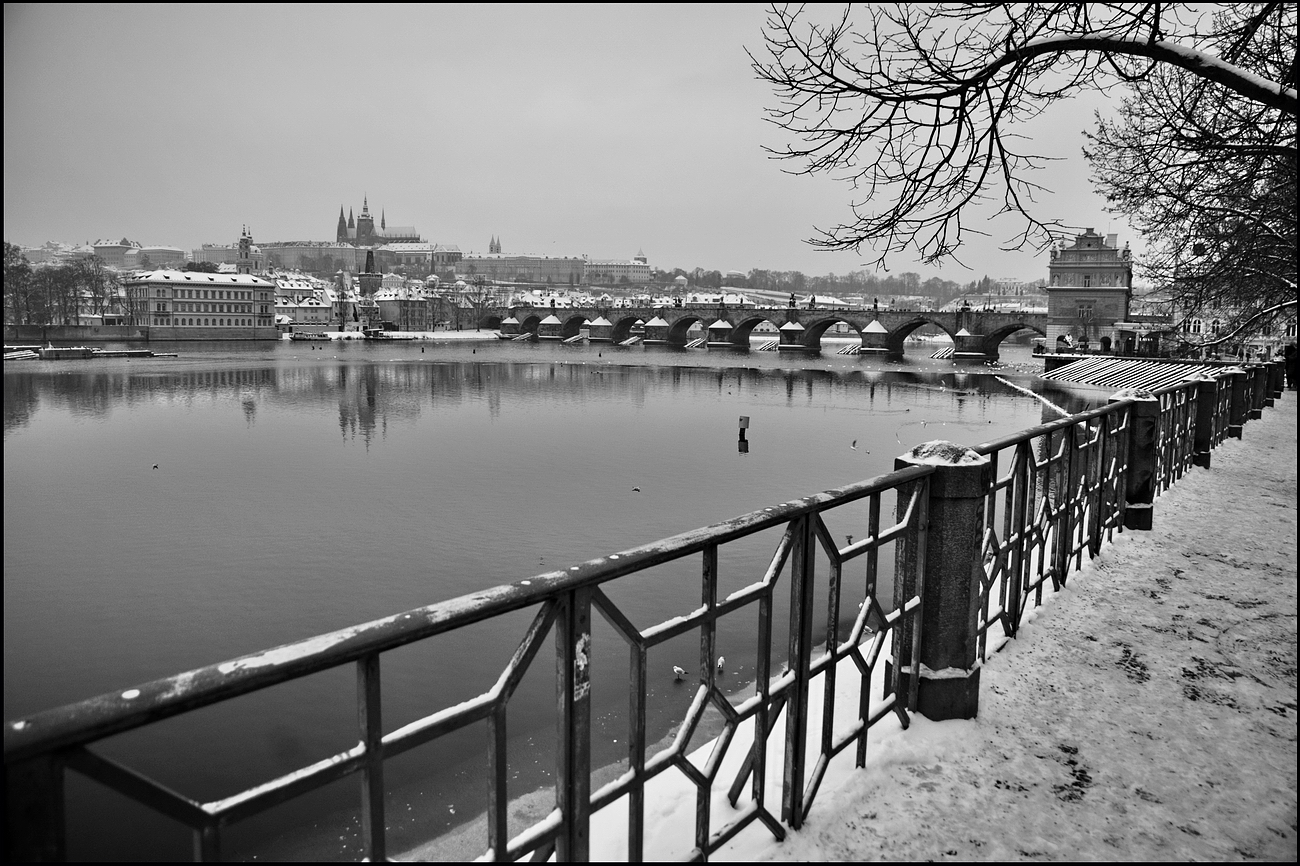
[{"x": 976, "y": 334}]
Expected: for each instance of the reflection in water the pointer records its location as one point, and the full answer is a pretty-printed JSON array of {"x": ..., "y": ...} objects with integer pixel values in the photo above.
[{"x": 297, "y": 497}]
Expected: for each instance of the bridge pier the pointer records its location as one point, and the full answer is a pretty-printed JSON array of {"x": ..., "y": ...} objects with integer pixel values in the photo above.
[
  {"x": 720, "y": 334},
  {"x": 656, "y": 331},
  {"x": 876, "y": 342},
  {"x": 969, "y": 348},
  {"x": 791, "y": 336}
]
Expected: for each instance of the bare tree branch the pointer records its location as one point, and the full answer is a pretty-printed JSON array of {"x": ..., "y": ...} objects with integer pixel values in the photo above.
[{"x": 916, "y": 106}]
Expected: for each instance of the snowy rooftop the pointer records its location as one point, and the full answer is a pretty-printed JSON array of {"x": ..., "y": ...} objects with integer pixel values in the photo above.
[{"x": 173, "y": 277}]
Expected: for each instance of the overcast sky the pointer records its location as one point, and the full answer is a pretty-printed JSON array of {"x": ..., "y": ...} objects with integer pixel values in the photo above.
[{"x": 594, "y": 130}]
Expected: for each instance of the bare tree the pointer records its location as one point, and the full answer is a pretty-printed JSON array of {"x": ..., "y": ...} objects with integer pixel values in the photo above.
[
  {"x": 1208, "y": 177},
  {"x": 917, "y": 105},
  {"x": 17, "y": 286}
]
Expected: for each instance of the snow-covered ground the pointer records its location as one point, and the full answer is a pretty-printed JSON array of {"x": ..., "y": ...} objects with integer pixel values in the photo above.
[{"x": 1147, "y": 713}]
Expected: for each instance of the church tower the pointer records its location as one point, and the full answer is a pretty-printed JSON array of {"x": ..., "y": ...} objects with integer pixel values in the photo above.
[
  {"x": 365, "y": 225},
  {"x": 341, "y": 236},
  {"x": 246, "y": 263}
]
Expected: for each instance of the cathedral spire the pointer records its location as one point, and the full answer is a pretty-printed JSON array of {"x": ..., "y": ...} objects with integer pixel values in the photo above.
[
  {"x": 383, "y": 221},
  {"x": 352, "y": 223}
]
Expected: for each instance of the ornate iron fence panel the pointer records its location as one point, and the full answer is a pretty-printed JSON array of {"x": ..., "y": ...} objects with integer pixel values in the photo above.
[
  {"x": 1222, "y": 411},
  {"x": 1176, "y": 436},
  {"x": 1058, "y": 491}
]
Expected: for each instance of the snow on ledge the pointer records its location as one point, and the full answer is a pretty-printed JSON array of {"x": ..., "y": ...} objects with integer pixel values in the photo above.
[
  {"x": 940, "y": 453},
  {"x": 1133, "y": 394}
]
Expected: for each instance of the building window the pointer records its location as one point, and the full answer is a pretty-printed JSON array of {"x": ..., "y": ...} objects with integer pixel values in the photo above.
[
  {"x": 1214, "y": 327},
  {"x": 1085, "y": 311},
  {"x": 1196, "y": 326}
]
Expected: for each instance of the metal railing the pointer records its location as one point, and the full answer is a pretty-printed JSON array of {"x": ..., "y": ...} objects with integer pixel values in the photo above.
[
  {"x": 1177, "y": 432},
  {"x": 40, "y": 747},
  {"x": 1063, "y": 492},
  {"x": 1058, "y": 489}
]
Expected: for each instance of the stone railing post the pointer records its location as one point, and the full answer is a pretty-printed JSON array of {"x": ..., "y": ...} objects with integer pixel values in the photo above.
[
  {"x": 1207, "y": 397},
  {"x": 1239, "y": 409},
  {"x": 952, "y": 573},
  {"x": 1277, "y": 371},
  {"x": 1144, "y": 437}
]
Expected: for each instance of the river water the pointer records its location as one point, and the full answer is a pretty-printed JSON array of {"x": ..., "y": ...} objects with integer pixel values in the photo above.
[{"x": 163, "y": 514}]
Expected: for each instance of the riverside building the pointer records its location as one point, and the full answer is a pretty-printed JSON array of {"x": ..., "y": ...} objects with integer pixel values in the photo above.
[
  {"x": 192, "y": 305},
  {"x": 1090, "y": 285}
]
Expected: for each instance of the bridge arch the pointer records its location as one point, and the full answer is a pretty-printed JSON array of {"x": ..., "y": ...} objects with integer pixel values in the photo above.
[
  {"x": 743, "y": 327},
  {"x": 572, "y": 325},
  {"x": 529, "y": 323},
  {"x": 900, "y": 333},
  {"x": 623, "y": 326},
  {"x": 677, "y": 330},
  {"x": 994, "y": 338},
  {"x": 813, "y": 331}
]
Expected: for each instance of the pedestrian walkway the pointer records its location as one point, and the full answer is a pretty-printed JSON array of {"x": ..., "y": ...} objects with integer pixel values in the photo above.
[{"x": 1147, "y": 713}]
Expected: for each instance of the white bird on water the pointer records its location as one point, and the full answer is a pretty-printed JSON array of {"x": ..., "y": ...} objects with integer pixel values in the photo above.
[
  {"x": 854, "y": 445},
  {"x": 678, "y": 673},
  {"x": 722, "y": 660}
]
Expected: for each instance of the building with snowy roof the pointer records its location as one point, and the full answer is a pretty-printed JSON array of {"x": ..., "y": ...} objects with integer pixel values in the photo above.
[{"x": 196, "y": 305}]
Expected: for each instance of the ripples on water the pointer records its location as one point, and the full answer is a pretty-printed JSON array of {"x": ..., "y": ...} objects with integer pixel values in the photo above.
[{"x": 299, "y": 491}]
